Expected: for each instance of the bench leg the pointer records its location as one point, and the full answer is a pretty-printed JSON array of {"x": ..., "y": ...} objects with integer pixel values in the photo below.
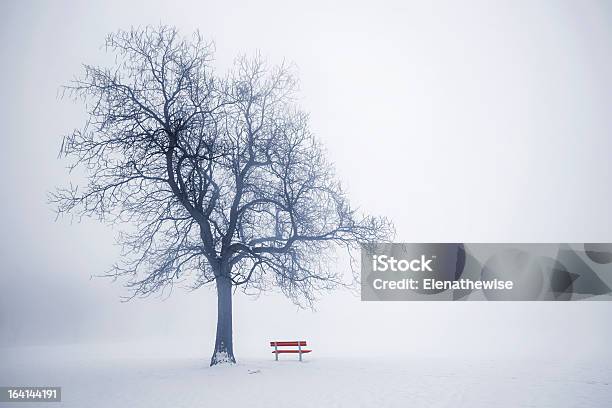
[
  {"x": 300, "y": 350},
  {"x": 276, "y": 354}
]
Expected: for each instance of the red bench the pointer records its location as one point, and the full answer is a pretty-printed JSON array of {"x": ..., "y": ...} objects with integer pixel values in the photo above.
[{"x": 299, "y": 344}]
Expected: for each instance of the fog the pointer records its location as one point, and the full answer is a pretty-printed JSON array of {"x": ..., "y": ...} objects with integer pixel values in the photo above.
[{"x": 461, "y": 121}]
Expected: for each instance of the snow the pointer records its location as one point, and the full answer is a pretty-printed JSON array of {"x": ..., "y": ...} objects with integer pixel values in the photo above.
[
  {"x": 120, "y": 377},
  {"x": 221, "y": 357}
]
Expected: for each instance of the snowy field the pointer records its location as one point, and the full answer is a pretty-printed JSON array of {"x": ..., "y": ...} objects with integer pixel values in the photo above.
[{"x": 102, "y": 378}]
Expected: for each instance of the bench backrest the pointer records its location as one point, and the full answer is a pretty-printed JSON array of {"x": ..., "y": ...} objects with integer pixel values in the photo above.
[{"x": 287, "y": 343}]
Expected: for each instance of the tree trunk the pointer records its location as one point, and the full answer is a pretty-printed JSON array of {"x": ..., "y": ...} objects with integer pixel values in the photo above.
[{"x": 224, "y": 347}]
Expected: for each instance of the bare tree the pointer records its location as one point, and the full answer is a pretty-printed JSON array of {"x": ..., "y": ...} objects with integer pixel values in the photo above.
[{"x": 216, "y": 178}]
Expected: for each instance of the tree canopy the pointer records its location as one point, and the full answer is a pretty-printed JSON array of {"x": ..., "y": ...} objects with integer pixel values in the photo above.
[{"x": 214, "y": 176}]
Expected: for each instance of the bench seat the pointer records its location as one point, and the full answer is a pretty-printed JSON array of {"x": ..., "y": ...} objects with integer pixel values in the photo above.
[{"x": 290, "y": 351}]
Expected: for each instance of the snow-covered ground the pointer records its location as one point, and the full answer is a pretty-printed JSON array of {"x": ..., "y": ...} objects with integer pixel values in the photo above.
[{"x": 97, "y": 377}]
